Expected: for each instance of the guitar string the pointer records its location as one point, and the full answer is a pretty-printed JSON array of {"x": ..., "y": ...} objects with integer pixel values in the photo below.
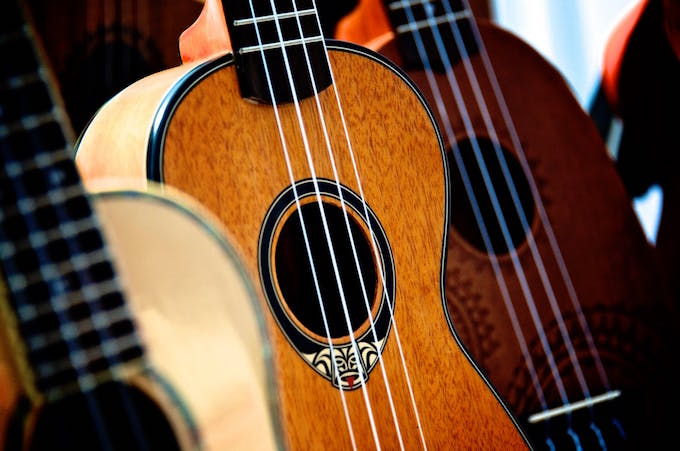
[
  {"x": 499, "y": 215},
  {"x": 541, "y": 208},
  {"x": 535, "y": 253},
  {"x": 451, "y": 138},
  {"x": 346, "y": 216},
  {"x": 336, "y": 272},
  {"x": 373, "y": 243},
  {"x": 545, "y": 280},
  {"x": 526, "y": 290},
  {"x": 58, "y": 288},
  {"x": 302, "y": 222},
  {"x": 517, "y": 205}
]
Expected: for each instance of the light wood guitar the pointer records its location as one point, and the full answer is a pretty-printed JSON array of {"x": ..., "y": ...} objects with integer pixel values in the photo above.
[
  {"x": 163, "y": 349},
  {"x": 325, "y": 164},
  {"x": 549, "y": 279}
]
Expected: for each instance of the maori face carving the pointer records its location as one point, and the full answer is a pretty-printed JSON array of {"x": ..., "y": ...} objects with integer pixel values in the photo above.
[{"x": 348, "y": 373}]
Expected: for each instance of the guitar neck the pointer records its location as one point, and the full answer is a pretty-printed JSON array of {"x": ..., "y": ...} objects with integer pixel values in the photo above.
[
  {"x": 63, "y": 290},
  {"x": 279, "y": 49},
  {"x": 422, "y": 28}
]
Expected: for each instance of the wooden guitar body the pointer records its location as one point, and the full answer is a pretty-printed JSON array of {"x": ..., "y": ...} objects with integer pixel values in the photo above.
[
  {"x": 189, "y": 128},
  {"x": 196, "y": 312},
  {"x": 608, "y": 260}
]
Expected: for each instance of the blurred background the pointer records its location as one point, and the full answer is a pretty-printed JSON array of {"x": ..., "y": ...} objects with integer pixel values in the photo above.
[{"x": 98, "y": 47}]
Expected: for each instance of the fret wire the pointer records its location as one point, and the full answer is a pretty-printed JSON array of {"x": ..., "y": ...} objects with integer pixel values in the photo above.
[
  {"x": 40, "y": 161},
  {"x": 78, "y": 360},
  {"x": 65, "y": 301},
  {"x": 277, "y": 45},
  {"x": 272, "y": 17},
  {"x": 73, "y": 330},
  {"x": 28, "y": 123},
  {"x": 53, "y": 272},
  {"x": 89, "y": 381},
  {"x": 410, "y": 27},
  {"x": 403, "y": 4},
  {"x": 28, "y": 205},
  {"x": 42, "y": 239}
]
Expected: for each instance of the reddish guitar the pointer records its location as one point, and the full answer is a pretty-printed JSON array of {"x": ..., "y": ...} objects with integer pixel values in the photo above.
[{"x": 548, "y": 270}]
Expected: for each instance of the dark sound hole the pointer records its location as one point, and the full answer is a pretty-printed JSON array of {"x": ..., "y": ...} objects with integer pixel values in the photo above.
[
  {"x": 113, "y": 414},
  {"x": 462, "y": 215},
  {"x": 295, "y": 276}
]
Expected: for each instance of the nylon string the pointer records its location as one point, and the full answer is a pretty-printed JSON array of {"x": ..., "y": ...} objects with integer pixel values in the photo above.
[
  {"x": 298, "y": 205},
  {"x": 373, "y": 243}
]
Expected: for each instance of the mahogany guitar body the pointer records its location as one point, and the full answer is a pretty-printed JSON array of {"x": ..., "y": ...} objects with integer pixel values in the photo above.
[
  {"x": 189, "y": 128},
  {"x": 607, "y": 257}
]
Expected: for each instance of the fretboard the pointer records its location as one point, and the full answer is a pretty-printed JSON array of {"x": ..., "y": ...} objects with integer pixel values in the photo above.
[
  {"x": 256, "y": 30},
  {"x": 62, "y": 286},
  {"x": 430, "y": 27}
]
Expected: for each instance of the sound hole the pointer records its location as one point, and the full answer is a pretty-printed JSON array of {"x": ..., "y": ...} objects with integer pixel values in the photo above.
[
  {"x": 462, "y": 214},
  {"x": 112, "y": 416},
  {"x": 296, "y": 279}
]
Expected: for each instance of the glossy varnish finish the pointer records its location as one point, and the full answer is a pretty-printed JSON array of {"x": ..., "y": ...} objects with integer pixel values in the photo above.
[
  {"x": 228, "y": 154},
  {"x": 605, "y": 252}
]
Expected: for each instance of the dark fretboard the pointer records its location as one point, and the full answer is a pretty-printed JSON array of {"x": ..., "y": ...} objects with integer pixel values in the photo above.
[
  {"x": 431, "y": 25},
  {"x": 63, "y": 290},
  {"x": 299, "y": 32}
]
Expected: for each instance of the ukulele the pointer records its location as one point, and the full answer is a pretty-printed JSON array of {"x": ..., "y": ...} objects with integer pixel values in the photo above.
[
  {"x": 323, "y": 161},
  {"x": 181, "y": 364},
  {"x": 549, "y": 280}
]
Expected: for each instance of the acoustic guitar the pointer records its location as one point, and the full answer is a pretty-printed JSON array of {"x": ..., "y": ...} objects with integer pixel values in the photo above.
[
  {"x": 180, "y": 363},
  {"x": 323, "y": 161},
  {"x": 549, "y": 280}
]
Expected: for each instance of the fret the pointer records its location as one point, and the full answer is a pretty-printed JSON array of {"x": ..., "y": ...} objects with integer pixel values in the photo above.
[
  {"x": 404, "y": 3},
  {"x": 55, "y": 271},
  {"x": 273, "y": 17},
  {"x": 53, "y": 198},
  {"x": 430, "y": 22},
  {"x": 26, "y": 124},
  {"x": 73, "y": 330},
  {"x": 81, "y": 359},
  {"x": 288, "y": 31},
  {"x": 421, "y": 24},
  {"x": 65, "y": 301},
  {"x": 45, "y": 161},
  {"x": 277, "y": 45},
  {"x": 42, "y": 239}
]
